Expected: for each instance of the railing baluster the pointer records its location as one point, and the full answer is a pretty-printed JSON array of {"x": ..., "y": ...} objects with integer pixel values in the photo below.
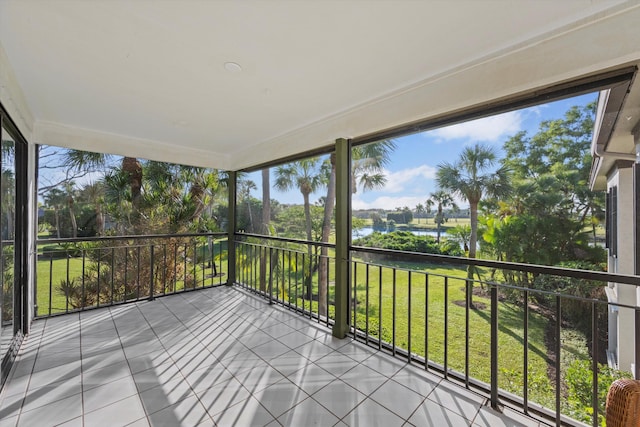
[
  {"x": 270, "y": 275},
  {"x": 113, "y": 260},
  {"x": 164, "y": 269},
  {"x": 68, "y": 283},
  {"x": 175, "y": 267},
  {"x": 525, "y": 368},
  {"x": 557, "y": 364},
  {"x": 380, "y": 308},
  {"x": 98, "y": 281},
  {"x": 426, "y": 321},
  {"x": 366, "y": 317},
  {"x": 446, "y": 327},
  {"x": 409, "y": 319},
  {"x": 82, "y": 301},
  {"x": 594, "y": 361},
  {"x": 467, "y": 306},
  {"x": 494, "y": 347},
  {"x": 354, "y": 302},
  {"x": 138, "y": 272},
  {"x": 151, "y": 274},
  {"x": 50, "y": 280}
]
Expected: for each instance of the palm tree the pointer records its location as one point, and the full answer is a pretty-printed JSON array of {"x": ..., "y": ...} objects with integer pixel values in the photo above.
[
  {"x": 461, "y": 234},
  {"x": 472, "y": 177},
  {"x": 266, "y": 219},
  {"x": 307, "y": 176},
  {"x": 442, "y": 200},
  {"x": 69, "y": 188},
  {"x": 419, "y": 210},
  {"x": 93, "y": 193},
  {"x": 244, "y": 191},
  {"x": 367, "y": 166},
  {"x": 304, "y": 175},
  {"x": 55, "y": 198}
]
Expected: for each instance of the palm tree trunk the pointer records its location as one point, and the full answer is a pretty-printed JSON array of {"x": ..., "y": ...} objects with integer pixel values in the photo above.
[
  {"x": 307, "y": 216},
  {"x": 266, "y": 219},
  {"x": 72, "y": 215},
  {"x": 439, "y": 221},
  {"x": 323, "y": 273},
  {"x": 56, "y": 213},
  {"x": 473, "y": 211}
]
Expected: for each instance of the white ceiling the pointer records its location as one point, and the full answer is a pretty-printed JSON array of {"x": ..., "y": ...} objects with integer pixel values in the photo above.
[{"x": 146, "y": 78}]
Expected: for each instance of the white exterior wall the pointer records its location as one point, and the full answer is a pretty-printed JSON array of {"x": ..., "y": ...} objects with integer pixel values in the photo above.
[{"x": 622, "y": 320}]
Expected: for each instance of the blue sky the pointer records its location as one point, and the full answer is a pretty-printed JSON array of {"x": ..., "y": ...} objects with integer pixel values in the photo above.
[{"x": 411, "y": 172}]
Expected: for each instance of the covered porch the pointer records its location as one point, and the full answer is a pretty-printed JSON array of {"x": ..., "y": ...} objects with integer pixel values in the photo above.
[{"x": 222, "y": 356}]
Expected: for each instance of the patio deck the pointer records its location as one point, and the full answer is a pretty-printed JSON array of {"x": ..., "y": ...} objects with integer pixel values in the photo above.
[{"x": 223, "y": 357}]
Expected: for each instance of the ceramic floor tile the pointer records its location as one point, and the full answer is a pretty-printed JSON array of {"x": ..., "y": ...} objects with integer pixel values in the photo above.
[
  {"x": 289, "y": 362},
  {"x": 457, "y": 399},
  {"x": 186, "y": 413},
  {"x": 203, "y": 379},
  {"x": 311, "y": 378},
  {"x": 364, "y": 379},
  {"x": 160, "y": 397},
  {"x": 120, "y": 413},
  {"x": 338, "y": 398},
  {"x": 100, "y": 376},
  {"x": 249, "y": 413},
  {"x": 50, "y": 393},
  {"x": 222, "y": 395},
  {"x": 386, "y": 365},
  {"x": 280, "y": 397},
  {"x": 270, "y": 349},
  {"x": 336, "y": 363},
  {"x": 417, "y": 379},
  {"x": 295, "y": 339},
  {"x": 371, "y": 413},
  {"x": 54, "y": 413},
  {"x": 488, "y": 417},
  {"x": 432, "y": 414},
  {"x": 308, "y": 413},
  {"x": 259, "y": 377},
  {"x": 397, "y": 398},
  {"x": 157, "y": 376},
  {"x": 109, "y": 393}
]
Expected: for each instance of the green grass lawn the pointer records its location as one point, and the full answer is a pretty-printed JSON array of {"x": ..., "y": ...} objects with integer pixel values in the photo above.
[{"x": 53, "y": 270}]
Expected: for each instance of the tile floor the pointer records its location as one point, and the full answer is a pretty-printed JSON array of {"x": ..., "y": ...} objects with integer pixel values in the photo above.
[{"x": 221, "y": 357}]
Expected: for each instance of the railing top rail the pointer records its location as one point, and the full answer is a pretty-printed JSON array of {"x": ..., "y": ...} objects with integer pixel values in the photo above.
[
  {"x": 131, "y": 237},
  {"x": 513, "y": 266},
  {"x": 286, "y": 239}
]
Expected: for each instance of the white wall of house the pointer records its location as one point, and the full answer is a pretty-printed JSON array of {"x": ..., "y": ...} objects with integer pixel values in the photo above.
[{"x": 622, "y": 320}]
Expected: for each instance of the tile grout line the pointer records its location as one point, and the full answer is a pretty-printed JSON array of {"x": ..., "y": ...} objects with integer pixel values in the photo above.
[{"x": 115, "y": 325}]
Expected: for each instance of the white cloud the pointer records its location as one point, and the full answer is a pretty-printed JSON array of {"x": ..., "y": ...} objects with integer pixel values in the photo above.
[
  {"x": 397, "y": 181},
  {"x": 488, "y": 129}
]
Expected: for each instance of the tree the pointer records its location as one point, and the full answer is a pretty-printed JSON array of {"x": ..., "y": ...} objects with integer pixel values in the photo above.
[
  {"x": 266, "y": 220},
  {"x": 442, "y": 200},
  {"x": 55, "y": 199},
  {"x": 472, "y": 177},
  {"x": 419, "y": 210},
  {"x": 461, "y": 235},
  {"x": 94, "y": 194},
  {"x": 245, "y": 186},
  {"x": 367, "y": 172},
  {"x": 69, "y": 188},
  {"x": 306, "y": 176},
  {"x": 551, "y": 205}
]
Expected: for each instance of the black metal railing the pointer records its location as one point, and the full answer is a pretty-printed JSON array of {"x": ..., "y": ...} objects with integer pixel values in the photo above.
[
  {"x": 84, "y": 273},
  {"x": 289, "y": 272},
  {"x": 527, "y": 336}
]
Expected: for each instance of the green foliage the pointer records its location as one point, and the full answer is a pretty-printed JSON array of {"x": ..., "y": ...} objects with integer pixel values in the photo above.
[
  {"x": 402, "y": 217},
  {"x": 407, "y": 241},
  {"x": 379, "y": 224},
  {"x": 543, "y": 221},
  {"x": 579, "y": 380}
]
